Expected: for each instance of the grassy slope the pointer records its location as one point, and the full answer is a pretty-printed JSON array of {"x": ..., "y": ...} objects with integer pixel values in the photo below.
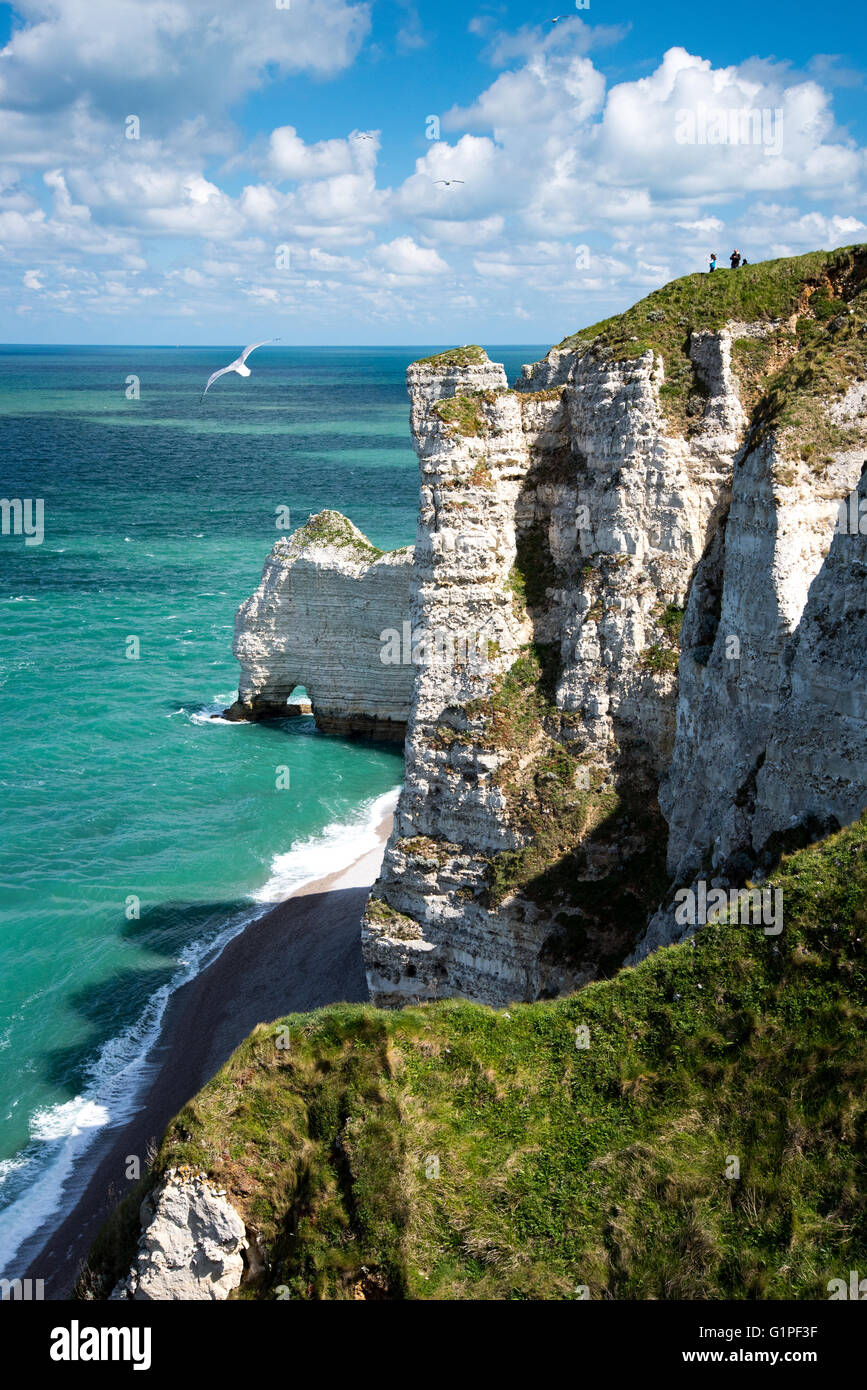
[
  {"x": 799, "y": 360},
  {"x": 560, "y": 1166},
  {"x": 333, "y": 528},
  {"x": 765, "y": 291}
]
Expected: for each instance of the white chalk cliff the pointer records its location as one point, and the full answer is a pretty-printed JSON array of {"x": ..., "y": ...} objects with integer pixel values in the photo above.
[
  {"x": 190, "y": 1246},
  {"x": 316, "y": 620},
  {"x": 642, "y": 531}
]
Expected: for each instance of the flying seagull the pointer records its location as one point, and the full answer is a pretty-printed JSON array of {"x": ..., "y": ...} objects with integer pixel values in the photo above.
[
  {"x": 448, "y": 182},
  {"x": 558, "y": 17},
  {"x": 239, "y": 365}
]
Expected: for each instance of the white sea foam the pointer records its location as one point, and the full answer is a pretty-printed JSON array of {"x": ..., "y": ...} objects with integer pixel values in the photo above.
[
  {"x": 60, "y": 1121},
  {"x": 212, "y": 714},
  {"x": 46, "y": 1172},
  {"x": 336, "y": 848}
]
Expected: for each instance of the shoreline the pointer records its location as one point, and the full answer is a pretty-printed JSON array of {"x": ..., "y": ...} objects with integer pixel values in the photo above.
[{"x": 301, "y": 954}]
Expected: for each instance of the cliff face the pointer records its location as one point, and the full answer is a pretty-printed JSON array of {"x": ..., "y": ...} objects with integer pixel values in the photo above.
[
  {"x": 614, "y": 522},
  {"x": 316, "y": 620},
  {"x": 772, "y": 705},
  {"x": 568, "y": 520},
  {"x": 653, "y": 640}
]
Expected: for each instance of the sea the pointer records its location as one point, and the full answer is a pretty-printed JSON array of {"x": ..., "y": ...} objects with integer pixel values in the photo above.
[{"x": 137, "y": 833}]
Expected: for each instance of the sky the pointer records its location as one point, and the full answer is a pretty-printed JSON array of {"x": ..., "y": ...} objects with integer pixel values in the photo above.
[{"x": 407, "y": 171}]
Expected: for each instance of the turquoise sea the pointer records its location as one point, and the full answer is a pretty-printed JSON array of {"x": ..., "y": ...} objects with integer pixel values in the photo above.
[{"x": 115, "y": 783}]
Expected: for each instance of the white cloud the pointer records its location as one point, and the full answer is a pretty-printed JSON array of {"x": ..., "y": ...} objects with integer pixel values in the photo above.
[
  {"x": 545, "y": 159},
  {"x": 403, "y": 256},
  {"x": 171, "y": 54},
  {"x": 774, "y": 225},
  {"x": 558, "y": 90},
  {"x": 290, "y": 158}
]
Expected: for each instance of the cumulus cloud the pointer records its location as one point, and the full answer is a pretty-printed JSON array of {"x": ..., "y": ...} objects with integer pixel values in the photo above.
[
  {"x": 172, "y": 54},
  {"x": 403, "y": 256},
  {"x": 690, "y": 128},
  {"x": 290, "y": 158},
  {"x": 550, "y": 183}
]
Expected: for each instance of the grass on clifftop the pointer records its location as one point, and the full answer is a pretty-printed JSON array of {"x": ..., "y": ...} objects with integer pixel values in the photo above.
[
  {"x": 810, "y": 289},
  {"x": 768, "y": 290},
  {"x": 797, "y": 397},
  {"x": 455, "y": 1151},
  {"x": 470, "y": 356},
  {"x": 333, "y": 528}
]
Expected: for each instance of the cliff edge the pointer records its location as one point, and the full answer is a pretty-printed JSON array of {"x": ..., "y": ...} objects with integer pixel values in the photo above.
[
  {"x": 647, "y": 529},
  {"x": 636, "y": 623}
]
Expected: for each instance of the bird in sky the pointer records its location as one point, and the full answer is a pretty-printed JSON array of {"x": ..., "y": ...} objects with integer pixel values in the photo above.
[
  {"x": 448, "y": 182},
  {"x": 558, "y": 17},
  {"x": 239, "y": 365}
]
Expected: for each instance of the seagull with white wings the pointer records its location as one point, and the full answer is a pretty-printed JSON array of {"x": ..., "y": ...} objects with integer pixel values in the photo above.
[{"x": 239, "y": 365}]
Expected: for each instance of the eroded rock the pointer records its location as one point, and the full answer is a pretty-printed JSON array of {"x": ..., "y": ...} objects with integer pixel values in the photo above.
[{"x": 190, "y": 1247}]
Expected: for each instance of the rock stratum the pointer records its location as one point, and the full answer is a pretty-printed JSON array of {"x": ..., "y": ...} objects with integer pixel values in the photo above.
[
  {"x": 644, "y": 624},
  {"x": 190, "y": 1246},
  {"x": 315, "y": 620}
]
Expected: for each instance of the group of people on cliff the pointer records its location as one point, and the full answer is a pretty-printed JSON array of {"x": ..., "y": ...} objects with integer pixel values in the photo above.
[{"x": 736, "y": 259}]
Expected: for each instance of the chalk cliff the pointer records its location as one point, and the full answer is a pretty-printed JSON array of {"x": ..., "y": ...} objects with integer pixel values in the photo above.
[
  {"x": 316, "y": 620},
  {"x": 190, "y": 1246},
  {"x": 638, "y": 610},
  {"x": 642, "y": 537}
]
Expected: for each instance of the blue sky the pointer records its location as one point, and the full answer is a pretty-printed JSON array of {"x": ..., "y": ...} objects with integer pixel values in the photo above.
[{"x": 281, "y": 179}]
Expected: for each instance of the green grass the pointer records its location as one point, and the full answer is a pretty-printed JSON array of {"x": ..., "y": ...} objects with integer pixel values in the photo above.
[
  {"x": 470, "y": 356},
  {"x": 332, "y": 528},
  {"x": 593, "y": 857},
  {"x": 813, "y": 288},
  {"x": 559, "y": 1165},
  {"x": 796, "y": 398},
  {"x": 534, "y": 570},
  {"x": 659, "y": 659},
  {"x": 671, "y": 621},
  {"x": 465, "y": 414}
]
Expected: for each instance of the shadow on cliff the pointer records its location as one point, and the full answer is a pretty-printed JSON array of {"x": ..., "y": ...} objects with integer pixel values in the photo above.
[{"x": 603, "y": 889}]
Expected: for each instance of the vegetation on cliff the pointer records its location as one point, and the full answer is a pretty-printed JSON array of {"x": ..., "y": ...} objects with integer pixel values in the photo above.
[
  {"x": 797, "y": 299},
  {"x": 456, "y": 1151},
  {"x": 594, "y": 851},
  {"x": 334, "y": 529},
  {"x": 469, "y": 356},
  {"x": 465, "y": 413}
]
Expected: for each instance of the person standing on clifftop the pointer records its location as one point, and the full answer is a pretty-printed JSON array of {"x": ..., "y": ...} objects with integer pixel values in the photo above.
[
  {"x": 735, "y": 259},
  {"x": 713, "y": 260}
]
